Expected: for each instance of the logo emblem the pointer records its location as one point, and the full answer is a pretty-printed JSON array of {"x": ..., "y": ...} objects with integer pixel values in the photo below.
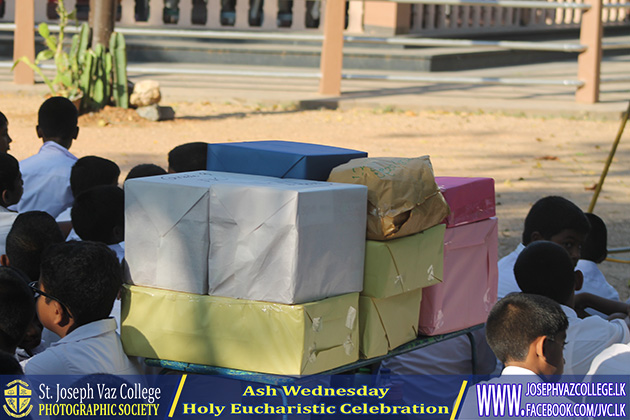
[{"x": 17, "y": 396}]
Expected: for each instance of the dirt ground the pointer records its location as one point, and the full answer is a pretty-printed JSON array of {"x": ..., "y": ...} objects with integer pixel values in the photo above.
[{"x": 529, "y": 158}]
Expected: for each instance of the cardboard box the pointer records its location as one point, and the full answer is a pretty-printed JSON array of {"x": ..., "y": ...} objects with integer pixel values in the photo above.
[
  {"x": 388, "y": 323},
  {"x": 245, "y": 236},
  {"x": 240, "y": 334},
  {"x": 469, "y": 287},
  {"x": 282, "y": 159},
  {"x": 470, "y": 199},
  {"x": 403, "y": 197},
  {"x": 404, "y": 264}
]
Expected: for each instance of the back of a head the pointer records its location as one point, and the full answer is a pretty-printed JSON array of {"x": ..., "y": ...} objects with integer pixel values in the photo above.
[
  {"x": 32, "y": 232},
  {"x": 97, "y": 212},
  {"x": 545, "y": 268},
  {"x": 17, "y": 308},
  {"x": 144, "y": 170},
  {"x": 9, "y": 172},
  {"x": 188, "y": 157},
  {"x": 92, "y": 171},
  {"x": 517, "y": 320},
  {"x": 551, "y": 215},
  {"x": 9, "y": 364},
  {"x": 58, "y": 118},
  {"x": 595, "y": 247},
  {"x": 86, "y": 276}
]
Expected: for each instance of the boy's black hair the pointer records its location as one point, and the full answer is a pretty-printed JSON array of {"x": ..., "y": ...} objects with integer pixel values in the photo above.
[
  {"x": 32, "y": 232},
  {"x": 596, "y": 243},
  {"x": 97, "y": 211},
  {"x": 9, "y": 364},
  {"x": 58, "y": 118},
  {"x": 17, "y": 308},
  {"x": 144, "y": 170},
  {"x": 86, "y": 276},
  {"x": 9, "y": 171},
  {"x": 551, "y": 215},
  {"x": 3, "y": 120},
  {"x": 91, "y": 171},
  {"x": 520, "y": 318},
  {"x": 545, "y": 268},
  {"x": 188, "y": 157}
]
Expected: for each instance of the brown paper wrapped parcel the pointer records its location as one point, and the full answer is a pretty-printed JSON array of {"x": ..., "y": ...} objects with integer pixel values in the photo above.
[{"x": 403, "y": 197}]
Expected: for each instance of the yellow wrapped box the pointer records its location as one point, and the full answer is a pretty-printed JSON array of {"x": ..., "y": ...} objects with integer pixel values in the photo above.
[
  {"x": 404, "y": 264},
  {"x": 240, "y": 334},
  {"x": 388, "y": 323}
]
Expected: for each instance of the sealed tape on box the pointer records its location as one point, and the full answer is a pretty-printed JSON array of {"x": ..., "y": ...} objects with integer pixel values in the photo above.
[
  {"x": 239, "y": 334},
  {"x": 404, "y": 264},
  {"x": 282, "y": 159},
  {"x": 403, "y": 197},
  {"x": 388, "y": 323},
  {"x": 245, "y": 236},
  {"x": 470, "y": 199},
  {"x": 469, "y": 287}
]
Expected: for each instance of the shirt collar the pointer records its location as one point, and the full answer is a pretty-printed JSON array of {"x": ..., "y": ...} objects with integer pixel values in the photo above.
[
  {"x": 93, "y": 329},
  {"x": 53, "y": 146}
]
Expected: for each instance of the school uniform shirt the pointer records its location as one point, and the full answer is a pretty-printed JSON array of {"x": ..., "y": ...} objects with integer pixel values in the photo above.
[
  {"x": 90, "y": 349},
  {"x": 6, "y": 222},
  {"x": 588, "y": 337},
  {"x": 595, "y": 283},
  {"x": 507, "y": 281},
  {"x": 119, "y": 249},
  {"x": 64, "y": 216},
  {"x": 46, "y": 177},
  {"x": 615, "y": 360}
]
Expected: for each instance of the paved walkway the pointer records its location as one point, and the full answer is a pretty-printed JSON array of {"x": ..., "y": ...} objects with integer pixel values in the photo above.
[{"x": 539, "y": 100}]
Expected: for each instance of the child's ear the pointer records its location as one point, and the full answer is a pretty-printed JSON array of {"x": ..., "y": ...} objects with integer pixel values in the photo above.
[
  {"x": 4, "y": 260},
  {"x": 40, "y": 133},
  {"x": 539, "y": 346},
  {"x": 76, "y": 134},
  {"x": 579, "y": 280},
  {"x": 60, "y": 316},
  {"x": 535, "y": 236}
]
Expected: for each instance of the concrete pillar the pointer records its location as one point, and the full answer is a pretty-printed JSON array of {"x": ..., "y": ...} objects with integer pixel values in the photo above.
[
  {"x": 24, "y": 41},
  {"x": 386, "y": 19},
  {"x": 332, "y": 48},
  {"x": 589, "y": 61}
]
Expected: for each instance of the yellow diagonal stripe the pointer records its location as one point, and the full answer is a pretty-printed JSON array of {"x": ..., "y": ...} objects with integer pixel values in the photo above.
[
  {"x": 179, "y": 391},
  {"x": 458, "y": 400}
]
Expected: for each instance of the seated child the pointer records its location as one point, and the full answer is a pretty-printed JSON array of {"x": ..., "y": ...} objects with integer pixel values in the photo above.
[
  {"x": 144, "y": 170},
  {"x": 10, "y": 193},
  {"x": 545, "y": 268},
  {"x": 554, "y": 219},
  {"x": 17, "y": 308},
  {"x": 594, "y": 252},
  {"x": 9, "y": 364},
  {"x": 47, "y": 174},
  {"x": 188, "y": 157},
  {"x": 5, "y": 139},
  {"x": 78, "y": 285},
  {"x": 98, "y": 214},
  {"x": 31, "y": 234}
]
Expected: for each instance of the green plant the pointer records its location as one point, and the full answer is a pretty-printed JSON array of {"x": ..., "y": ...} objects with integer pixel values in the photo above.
[{"x": 95, "y": 76}]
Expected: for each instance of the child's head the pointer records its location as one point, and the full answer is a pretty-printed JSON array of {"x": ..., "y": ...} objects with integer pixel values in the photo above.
[
  {"x": 81, "y": 281},
  {"x": 188, "y": 157},
  {"x": 98, "y": 214},
  {"x": 9, "y": 364},
  {"x": 57, "y": 121},
  {"x": 32, "y": 232},
  {"x": 595, "y": 246},
  {"x": 92, "y": 171},
  {"x": 145, "y": 169},
  {"x": 17, "y": 308},
  {"x": 11, "y": 185},
  {"x": 5, "y": 139},
  {"x": 528, "y": 331},
  {"x": 545, "y": 268},
  {"x": 558, "y": 220}
]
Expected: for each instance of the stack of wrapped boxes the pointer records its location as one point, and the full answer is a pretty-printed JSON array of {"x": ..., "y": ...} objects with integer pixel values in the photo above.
[
  {"x": 244, "y": 271},
  {"x": 469, "y": 287},
  {"x": 404, "y": 250}
]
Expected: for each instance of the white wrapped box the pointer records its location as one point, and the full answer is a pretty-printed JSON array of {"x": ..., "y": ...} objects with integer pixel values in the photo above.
[{"x": 245, "y": 236}]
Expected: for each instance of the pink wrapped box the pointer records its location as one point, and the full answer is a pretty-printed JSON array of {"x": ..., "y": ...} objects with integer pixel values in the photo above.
[
  {"x": 470, "y": 199},
  {"x": 469, "y": 287}
]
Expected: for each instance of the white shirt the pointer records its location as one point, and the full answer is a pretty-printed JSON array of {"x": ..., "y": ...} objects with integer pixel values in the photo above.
[
  {"x": 46, "y": 178},
  {"x": 65, "y": 216},
  {"x": 6, "y": 222},
  {"x": 119, "y": 249},
  {"x": 595, "y": 283},
  {"x": 588, "y": 337},
  {"x": 507, "y": 281},
  {"x": 615, "y": 360},
  {"x": 91, "y": 348}
]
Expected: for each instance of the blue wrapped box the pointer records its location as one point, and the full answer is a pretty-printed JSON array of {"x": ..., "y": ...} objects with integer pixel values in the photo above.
[{"x": 282, "y": 159}]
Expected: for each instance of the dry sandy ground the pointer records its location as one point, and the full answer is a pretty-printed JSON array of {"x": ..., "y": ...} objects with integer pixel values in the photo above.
[{"x": 528, "y": 157}]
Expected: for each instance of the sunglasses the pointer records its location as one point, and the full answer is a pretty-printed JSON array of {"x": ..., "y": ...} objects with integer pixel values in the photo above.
[{"x": 37, "y": 293}]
